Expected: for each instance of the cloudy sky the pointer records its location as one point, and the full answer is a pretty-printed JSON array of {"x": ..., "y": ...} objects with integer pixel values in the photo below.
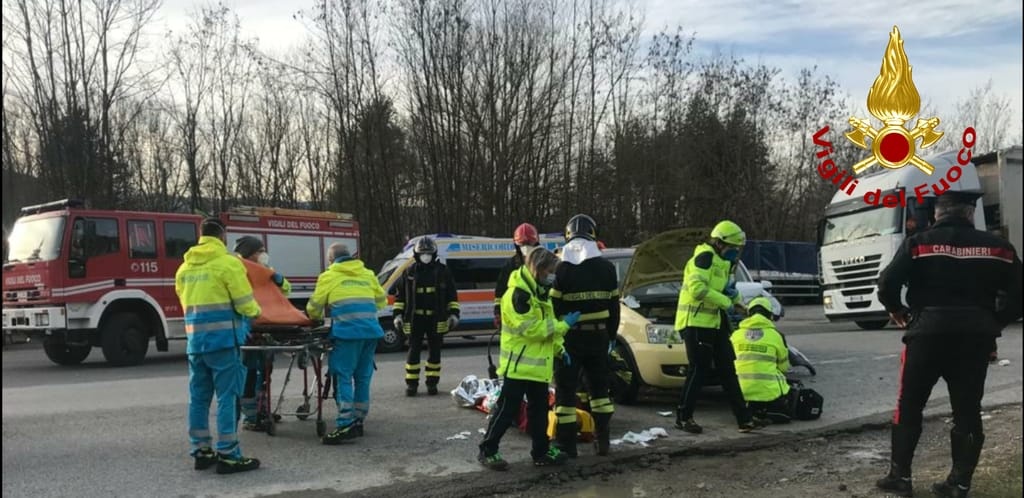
[{"x": 953, "y": 45}]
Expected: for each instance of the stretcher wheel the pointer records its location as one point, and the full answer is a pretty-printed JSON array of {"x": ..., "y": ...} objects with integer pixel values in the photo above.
[
  {"x": 321, "y": 428},
  {"x": 302, "y": 411}
]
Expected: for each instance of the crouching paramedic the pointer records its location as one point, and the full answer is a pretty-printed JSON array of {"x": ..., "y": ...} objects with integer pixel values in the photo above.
[
  {"x": 218, "y": 303},
  {"x": 355, "y": 297},
  {"x": 585, "y": 282},
  {"x": 762, "y": 360},
  {"x": 426, "y": 306},
  {"x": 531, "y": 337}
]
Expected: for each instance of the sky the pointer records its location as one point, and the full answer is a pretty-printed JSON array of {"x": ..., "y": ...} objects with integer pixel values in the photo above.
[{"x": 954, "y": 46}]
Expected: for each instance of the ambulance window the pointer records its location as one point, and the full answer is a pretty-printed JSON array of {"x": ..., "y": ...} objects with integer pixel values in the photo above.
[
  {"x": 141, "y": 239},
  {"x": 178, "y": 237},
  {"x": 475, "y": 273},
  {"x": 101, "y": 237}
]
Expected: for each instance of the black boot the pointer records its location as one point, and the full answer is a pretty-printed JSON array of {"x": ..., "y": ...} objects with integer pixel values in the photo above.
[
  {"x": 432, "y": 389},
  {"x": 603, "y": 430},
  {"x": 565, "y": 439},
  {"x": 904, "y": 442},
  {"x": 410, "y": 389},
  {"x": 966, "y": 449}
]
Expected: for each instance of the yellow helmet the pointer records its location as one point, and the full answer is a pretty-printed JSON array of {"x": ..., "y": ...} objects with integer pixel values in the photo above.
[
  {"x": 760, "y": 302},
  {"x": 730, "y": 233}
]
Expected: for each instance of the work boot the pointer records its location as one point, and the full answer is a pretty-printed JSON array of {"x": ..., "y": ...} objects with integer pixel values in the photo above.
[
  {"x": 689, "y": 425},
  {"x": 432, "y": 389},
  {"x": 565, "y": 439},
  {"x": 205, "y": 458},
  {"x": 410, "y": 390},
  {"x": 966, "y": 449},
  {"x": 552, "y": 457},
  {"x": 904, "y": 441},
  {"x": 946, "y": 489},
  {"x": 897, "y": 481},
  {"x": 602, "y": 429},
  {"x": 357, "y": 428},
  {"x": 493, "y": 462},
  {"x": 340, "y": 435},
  {"x": 230, "y": 465}
]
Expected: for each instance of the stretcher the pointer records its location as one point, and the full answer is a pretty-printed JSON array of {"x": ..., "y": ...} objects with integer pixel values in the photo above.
[{"x": 306, "y": 347}]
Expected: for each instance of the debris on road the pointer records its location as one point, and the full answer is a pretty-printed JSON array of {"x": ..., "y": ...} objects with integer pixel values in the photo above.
[
  {"x": 665, "y": 414},
  {"x": 1004, "y": 363},
  {"x": 641, "y": 438},
  {"x": 461, "y": 435}
]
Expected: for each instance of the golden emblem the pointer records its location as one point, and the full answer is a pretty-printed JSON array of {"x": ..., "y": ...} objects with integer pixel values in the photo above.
[{"x": 893, "y": 100}]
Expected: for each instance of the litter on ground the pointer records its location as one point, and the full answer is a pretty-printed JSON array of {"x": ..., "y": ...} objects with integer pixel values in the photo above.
[
  {"x": 1004, "y": 363},
  {"x": 641, "y": 438},
  {"x": 665, "y": 414},
  {"x": 461, "y": 435}
]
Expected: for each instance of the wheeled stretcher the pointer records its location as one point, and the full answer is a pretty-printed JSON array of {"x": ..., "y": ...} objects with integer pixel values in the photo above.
[{"x": 306, "y": 348}]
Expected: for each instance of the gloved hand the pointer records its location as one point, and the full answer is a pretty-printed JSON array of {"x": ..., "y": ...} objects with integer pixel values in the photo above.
[
  {"x": 453, "y": 321},
  {"x": 399, "y": 323},
  {"x": 611, "y": 347},
  {"x": 730, "y": 290},
  {"x": 277, "y": 278},
  {"x": 566, "y": 360},
  {"x": 572, "y": 318}
]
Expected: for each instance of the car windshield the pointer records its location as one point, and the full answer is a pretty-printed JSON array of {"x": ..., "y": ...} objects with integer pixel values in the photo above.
[
  {"x": 861, "y": 224},
  {"x": 36, "y": 240}
]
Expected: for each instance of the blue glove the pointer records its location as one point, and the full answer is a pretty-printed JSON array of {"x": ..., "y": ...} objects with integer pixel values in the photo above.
[
  {"x": 566, "y": 360},
  {"x": 730, "y": 290},
  {"x": 572, "y": 318},
  {"x": 277, "y": 278}
]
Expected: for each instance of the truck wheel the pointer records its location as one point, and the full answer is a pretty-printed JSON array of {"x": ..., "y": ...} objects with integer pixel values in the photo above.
[
  {"x": 872, "y": 324},
  {"x": 63, "y": 354},
  {"x": 125, "y": 340},
  {"x": 625, "y": 381},
  {"x": 393, "y": 340}
]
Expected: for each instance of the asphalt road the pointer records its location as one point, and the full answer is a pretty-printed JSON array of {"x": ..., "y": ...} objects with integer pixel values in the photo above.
[{"x": 97, "y": 431}]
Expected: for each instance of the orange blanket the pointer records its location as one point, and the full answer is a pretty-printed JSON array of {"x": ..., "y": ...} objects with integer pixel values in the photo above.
[{"x": 277, "y": 309}]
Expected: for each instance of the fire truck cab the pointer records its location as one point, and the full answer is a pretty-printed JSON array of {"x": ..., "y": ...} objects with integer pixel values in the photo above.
[{"x": 81, "y": 278}]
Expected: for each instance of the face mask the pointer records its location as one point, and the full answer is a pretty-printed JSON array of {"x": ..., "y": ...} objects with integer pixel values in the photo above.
[
  {"x": 731, "y": 254},
  {"x": 263, "y": 259},
  {"x": 426, "y": 258}
]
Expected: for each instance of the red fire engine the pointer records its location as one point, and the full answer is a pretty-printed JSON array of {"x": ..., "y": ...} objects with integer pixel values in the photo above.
[{"x": 81, "y": 277}]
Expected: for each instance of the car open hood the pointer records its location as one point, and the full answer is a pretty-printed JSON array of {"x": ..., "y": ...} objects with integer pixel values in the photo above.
[{"x": 662, "y": 258}]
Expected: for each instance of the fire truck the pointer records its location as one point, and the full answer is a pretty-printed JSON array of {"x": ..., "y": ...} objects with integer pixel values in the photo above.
[{"x": 81, "y": 278}]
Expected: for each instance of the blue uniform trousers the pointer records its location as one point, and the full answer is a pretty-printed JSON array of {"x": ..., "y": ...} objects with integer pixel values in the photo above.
[
  {"x": 351, "y": 364},
  {"x": 219, "y": 372}
]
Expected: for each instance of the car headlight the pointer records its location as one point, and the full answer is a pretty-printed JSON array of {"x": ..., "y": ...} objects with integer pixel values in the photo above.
[
  {"x": 661, "y": 334},
  {"x": 827, "y": 301}
]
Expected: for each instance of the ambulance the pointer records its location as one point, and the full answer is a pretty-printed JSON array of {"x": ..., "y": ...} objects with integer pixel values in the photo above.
[
  {"x": 475, "y": 263},
  {"x": 79, "y": 278}
]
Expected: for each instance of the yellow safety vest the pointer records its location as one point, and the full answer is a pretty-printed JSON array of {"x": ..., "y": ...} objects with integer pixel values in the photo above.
[
  {"x": 529, "y": 341},
  {"x": 701, "y": 299},
  {"x": 762, "y": 359},
  {"x": 354, "y": 296}
]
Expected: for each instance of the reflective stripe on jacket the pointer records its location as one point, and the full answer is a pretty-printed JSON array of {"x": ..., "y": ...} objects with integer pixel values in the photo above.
[
  {"x": 354, "y": 296},
  {"x": 701, "y": 300},
  {"x": 529, "y": 340},
  {"x": 215, "y": 296},
  {"x": 762, "y": 359}
]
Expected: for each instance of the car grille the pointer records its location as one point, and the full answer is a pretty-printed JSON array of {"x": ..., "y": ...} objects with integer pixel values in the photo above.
[{"x": 850, "y": 275}]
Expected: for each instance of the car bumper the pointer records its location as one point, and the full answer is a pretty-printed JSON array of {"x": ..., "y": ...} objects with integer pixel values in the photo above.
[
  {"x": 34, "y": 319},
  {"x": 660, "y": 364}
]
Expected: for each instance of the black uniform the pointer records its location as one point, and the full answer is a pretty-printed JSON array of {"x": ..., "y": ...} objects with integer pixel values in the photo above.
[
  {"x": 426, "y": 297},
  {"x": 954, "y": 276},
  {"x": 591, "y": 288}
]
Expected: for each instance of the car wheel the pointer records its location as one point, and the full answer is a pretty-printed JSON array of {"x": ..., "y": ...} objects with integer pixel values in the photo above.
[
  {"x": 63, "y": 354},
  {"x": 125, "y": 340},
  {"x": 625, "y": 381},
  {"x": 872, "y": 324},
  {"x": 393, "y": 340}
]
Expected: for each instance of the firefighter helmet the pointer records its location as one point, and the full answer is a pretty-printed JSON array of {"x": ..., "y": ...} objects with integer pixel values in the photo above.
[
  {"x": 526, "y": 235},
  {"x": 730, "y": 233},
  {"x": 581, "y": 225},
  {"x": 425, "y": 245}
]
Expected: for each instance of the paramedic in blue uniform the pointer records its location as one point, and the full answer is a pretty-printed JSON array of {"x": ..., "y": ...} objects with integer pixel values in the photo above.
[{"x": 963, "y": 288}]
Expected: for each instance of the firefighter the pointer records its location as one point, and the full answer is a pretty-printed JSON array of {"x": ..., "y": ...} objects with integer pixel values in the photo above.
[
  {"x": 585, "y": 282},
  {"x": 531, "y": 337},
  {"x": 354, "y": 297},
  {"x": 963, "y": 288},
  {"x": 702, "y": 321},
  {"x": 252, "y": 249},
  {"x": 525, "y": 238},
  {"x": 762, "y": 360},
  {"x": 427, "y": 305},
  {"x": 218, "y": 303}
]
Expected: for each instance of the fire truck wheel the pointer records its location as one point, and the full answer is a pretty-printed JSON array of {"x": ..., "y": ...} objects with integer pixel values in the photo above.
[
  {"x": 125, "y": 340},
  {"x": 63, "y": 354},
  {"x": 393, "y": 340}
]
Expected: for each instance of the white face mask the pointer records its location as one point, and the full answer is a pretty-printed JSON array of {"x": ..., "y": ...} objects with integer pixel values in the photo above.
[
  {"x": 263, "y": 259},
  {"x": 426, "y": 258}
]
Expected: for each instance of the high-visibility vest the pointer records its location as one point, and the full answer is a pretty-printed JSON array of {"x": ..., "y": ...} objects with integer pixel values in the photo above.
[
  {"x": 701, "y": 300},
  {"x": 216, "y": 297},
  {"x": 762, "y": 359},
  {"x": 354, "y": 296},
  {"x": 529, "y": 341}
]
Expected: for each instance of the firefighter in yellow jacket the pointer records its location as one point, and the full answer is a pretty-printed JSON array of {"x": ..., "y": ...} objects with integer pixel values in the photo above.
[
  {"x": 218, "y": 303},
  {"x": 354, "y": 297},
  {"x": 762, "y": 360},
  {"x": 701, "y": 319},
  {"x": 531, "y": 337}
]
